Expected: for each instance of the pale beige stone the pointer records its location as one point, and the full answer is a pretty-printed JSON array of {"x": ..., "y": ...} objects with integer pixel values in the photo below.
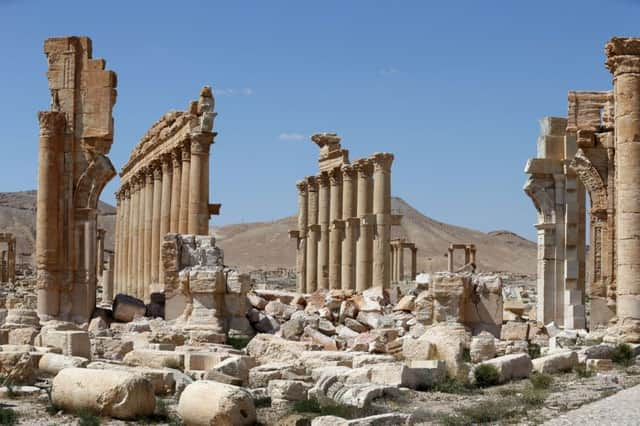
[
  {"x": 510, "y": 367},
  {"x": 210, "y": 403},
  {"x": 556, "y": 362},
  {"x": 51, "y": 363},
  {"x": 116, "y": 394}
]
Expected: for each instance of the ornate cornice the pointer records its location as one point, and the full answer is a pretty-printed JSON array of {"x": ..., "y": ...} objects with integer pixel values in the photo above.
[
  {"x": 382, "y": 161},
  {"x": 623, "y": 55}
]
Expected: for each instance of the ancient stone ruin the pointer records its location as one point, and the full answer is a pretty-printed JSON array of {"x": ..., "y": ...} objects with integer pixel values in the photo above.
[
  {"x": 8, "y": 258},
  {"x": 397, "y": 260},
  {"x": 469, "y": 256},
  {"x": 344, "y": 221},
  {"x": 595, "y": 148},
  {"x": 164, "y": 188},
  {"x": 75, "y": 136}
]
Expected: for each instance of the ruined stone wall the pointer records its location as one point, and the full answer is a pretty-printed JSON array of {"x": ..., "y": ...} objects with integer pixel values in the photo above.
[
  {"x": 75, "y": 136},
  {"x": 344, "y": 221},
  {"x": 164, "y": 188}
]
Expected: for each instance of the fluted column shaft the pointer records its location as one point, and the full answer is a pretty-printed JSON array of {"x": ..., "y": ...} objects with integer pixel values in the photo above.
[
  {"x": 364, "y": 245},
  {"x": 301, "y": 253},
  {"x": 337, "y": 228},
  {"x": 184, "y": 190},
  {"x": 47, "y": 212},
  {"x": 351, "y": 227},
  {"x": 155, "y": 224},
  {"x": 400, "y": 263},
  {"x": 450, "y": 260},
  {"x": 323, "y": 220},
  {"x": 198, "y": 199},
  {"x": 176, "y": 187},
  {"x": 414, "y": 263},
  {"x": 142, "y": 205},
  {"x": 118, "y": 236},
  {"x": 133, "y": 261},
  {"x": 382, "y": 210},
  {"x": 312, "y": 237},
  {"x": 165, "y": 210},
  {"x": 623, "y": 60},
  {"x": 125, "y": 257},
  {"x": 148, "y": 233}
]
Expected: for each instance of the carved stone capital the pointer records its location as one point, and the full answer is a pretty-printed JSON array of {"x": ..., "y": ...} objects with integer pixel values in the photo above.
[
  {"x": 186, "y": 150},
  {"x": 301, "y": 185},
  {"x": 348, "y": 172},
  {"x": 382, "y": 161},
  {"x": 363, "y": 167},
  {"x": 201, "y": 143},
  {"x": 51, "y": 122},
  {"x": 323, "y": 139},
  {"x": 623, "y": 55},
  {"x": 176, "y": 157},
  {"x": 335, "y": 176},
  {"x": 156, "y": 169},
  {"x": 312, "y": 184},
  {"x": 323, "y": 179}
]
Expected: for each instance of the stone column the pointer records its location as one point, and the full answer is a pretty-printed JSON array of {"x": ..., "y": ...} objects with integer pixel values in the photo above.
[
  {"x": 349, "y": 192},
  {"x": 450, "y": 260},
  {"x": 118, "y": 234},
  {"x": 323, "y": 220},
  {"x": 336, "y": 231},
  {"x": 198, "y": 200},
  {"x": 165, "y": 208},
  {"x": 392, "y": 257},
  {"x": 414, "y": 262},
  {"x": 142, "y": 204},
  {"x": 133, "y": 261},
  {"x": 401, "y": 263},
  {"x": 11, "y": 259},
  {"x": 176, "y": 187},
  {"x": 49, "y": 183},
  {"x": 100, "y": 251},
  {"x": 546, "y": 272},
  {"x": 155, "y": 224},
  {"x": 382, "y": 210},
  {"x": 467, "y": 255},
  {"x": 301, "y": 253},
  {"x": 107, "y": 281},
  {"x": 148, "y": 233},
  {"x": 125, "y": 256},
  {"x": 364, "y": 246},
  {"x": 313, "y": 233},
  {"x": 623, "y": 60},
  {"x": 348, "y": 270},
  {"x": 184, "y": 190},
  {"x": 312, "y": 240}
]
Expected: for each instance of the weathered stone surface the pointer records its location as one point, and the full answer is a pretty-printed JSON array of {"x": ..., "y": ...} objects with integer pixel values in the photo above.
[
  {"x": 289, "y": 390},
  {"x": 510, "y": 367},
  {"x": 450, "y": 341},
  {"x": 164, "y": 380},
  {"x": 556, "y": 362},
  {"x": 265, "y": 348},
  {"x": 482, "y": 347},
  {"x": 70, "y": 342},
  {"x": 116, "y": 394},
  {"x": 514, "y": 330},
  {"x": 52, "y": 363},
  {"x": 154, "y": 359},
  {"x": 126, "y": 308},
  {"x": 211, "y": 403},
  {"x": 236, "y": 366}
]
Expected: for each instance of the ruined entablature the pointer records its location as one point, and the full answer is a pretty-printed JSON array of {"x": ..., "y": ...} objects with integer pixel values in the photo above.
[
  {"x": 174, "y": 131},
  {"x": 590, "y": 113}
]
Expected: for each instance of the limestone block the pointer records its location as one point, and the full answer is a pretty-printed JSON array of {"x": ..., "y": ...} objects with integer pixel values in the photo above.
[
  {"x": 397, "y": 374},
  {"x": 260, "y": 376},
  {"x": 371, "y": 319},
  {"x": 289, "y": 390},
  {"x": 598, "y": 352},
  {"x": 510, "y": 367},
  {"x": 217, "y": 376},
  {"x": 206, "y": 403},
  {"x": 256, "y": 301},
  {"x": 556, "y": 362},
  {"x": 450, "y": 340},
  {"x": 423, "y": 308},
  {"x": 266, "y": 324},
  {"x": 110, "y": 348},
  {"x": 22, "y": 317},
  {"x": 126, "y": 308},
  {"x": 514, "y": 330},
  {"x": 320, "y": 339},
  {"x": 279, "y": 310},
  {"x": 314, "y": 358},
  {"x": 52, "y": 363},
  {"x": 118, "y": 394},
  {"x": 164, "y": 380},
  {"x": 417, "y": 348},
  {"x": 405, "y": 304},
  {"x": 599, "y": 364},
  {"x": 388, "y": 419},
  {"x": 71, "y": 342},
  {"x": 348, "y": 309},
  {"x": 200, "y": 361},
  {"x": 236, "y": 366},
  {"x": 449, "y": 296},
  {"x": 371, "y": 359},
  {"x": 265, "y": 348},
  {"x": 483, "y": 309},
  {"x": 22, "y": 336},
  {"x": 482, "y": 347},
  {"x": 355, "y": 325},
  {"x": 154, "y": 359}
]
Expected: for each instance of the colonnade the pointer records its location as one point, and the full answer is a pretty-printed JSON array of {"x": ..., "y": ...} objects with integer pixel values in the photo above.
[
  {"x": 469, "y": 254},
  {"x": 8, "y": 260},
  {"x": 164, "y": 188},
  {"x": 398, "y": 262},
  {"x": 344, "y": 221}
]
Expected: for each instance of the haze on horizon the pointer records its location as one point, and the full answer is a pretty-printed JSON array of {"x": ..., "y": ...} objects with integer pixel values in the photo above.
[{"x": 454, "y": 90}]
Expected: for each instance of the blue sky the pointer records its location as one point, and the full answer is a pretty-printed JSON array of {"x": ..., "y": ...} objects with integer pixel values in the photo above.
[{"x": 454, "y": 89}]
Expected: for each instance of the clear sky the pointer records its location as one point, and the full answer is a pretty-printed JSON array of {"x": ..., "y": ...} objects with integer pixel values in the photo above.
[{"x": 453, "y": 88}]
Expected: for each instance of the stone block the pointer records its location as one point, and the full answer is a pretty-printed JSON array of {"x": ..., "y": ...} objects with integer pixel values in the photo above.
[
  {"x": 514, "y": 330},
  {"x": 117, "y": 394},
  {"x": 22, "y": 336},
  {"x": 154, "y": 359},
  {"x": 556, "y": 362},
  {"x": 51, "y": 363},
  {"x": 211, "y": 403},
  {"x": 71, "y": 342},
  {"x": 510, "y": 367},
  {"x": 126, "y": 308},
  {"x": 289, "y": 390},
  {"x": 265, "y": 348},
  {"x": 201, "y": 361},
  {"x": 599, "y": 364}
]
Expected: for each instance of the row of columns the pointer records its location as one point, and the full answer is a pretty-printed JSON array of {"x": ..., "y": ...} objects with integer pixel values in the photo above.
[
  {"x": 168, "y": 194},
  {"x": 8, "y": 259},
  {"x": 397, "y": 260},
  {"x": 344, "y": 221},
  {"x": 469, "y": 254}
]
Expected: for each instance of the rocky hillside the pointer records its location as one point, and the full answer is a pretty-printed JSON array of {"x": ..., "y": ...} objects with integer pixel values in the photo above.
[{"x": 265, "y": 245}]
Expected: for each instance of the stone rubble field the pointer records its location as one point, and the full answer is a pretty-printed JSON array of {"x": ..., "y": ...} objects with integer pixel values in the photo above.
[{"x": 432, "y": 353}]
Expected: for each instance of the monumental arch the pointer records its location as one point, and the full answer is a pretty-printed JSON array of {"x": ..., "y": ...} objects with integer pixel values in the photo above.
[{"x": 75, "y": 136}]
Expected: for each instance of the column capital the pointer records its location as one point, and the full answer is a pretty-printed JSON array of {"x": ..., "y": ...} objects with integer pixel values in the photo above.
[
  {"x": 186, "y": 150},
  {"x": 312, "y": 183},
  {"x": 50, "y": 122},
  {"x": 127, "y": 191},
  {"x": 382, "y": 161},
  {"x": 335, "y": 176},
  {"x": 176, "y": 156},
  {"x": 201, "y": 143},
  {"x": 363, "y": 167},
  {"x": 348, "y": 172},
  {"x": 301, "y": 185},
  {"x": 156, "y": 169},
  {"x": 165, "y": 159},
  {"x": 148, "y": 174},
  {"x": 623, "y": 55},
  {"x": 323, "y": 179}
]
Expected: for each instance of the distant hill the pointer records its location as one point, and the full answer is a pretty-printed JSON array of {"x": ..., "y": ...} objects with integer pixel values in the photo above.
[{"x": 266, "y": 245}]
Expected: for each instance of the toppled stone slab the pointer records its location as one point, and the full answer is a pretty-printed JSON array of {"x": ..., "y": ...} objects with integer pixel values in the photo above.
[
  {"x": 154, "y": 359},
  {"x": 510, "y": 367},
  {"x": 52, "y": 363},
  {"x": 126, "y": 308},
  {"x": 210, "y": 403},
  {"x": 556, "y": 362},
  {"x": 118, "y": 394}
]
